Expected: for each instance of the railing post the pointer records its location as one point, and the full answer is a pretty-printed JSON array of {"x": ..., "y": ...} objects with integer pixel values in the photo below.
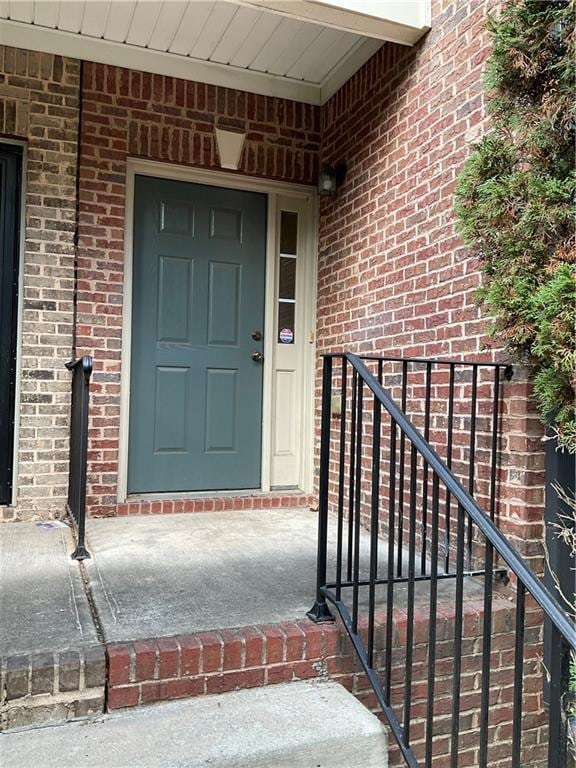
[
  {"x": 81, "y": 372},
  {"x": 558, "y": 672},
  {"x": 320, "y": 611}
]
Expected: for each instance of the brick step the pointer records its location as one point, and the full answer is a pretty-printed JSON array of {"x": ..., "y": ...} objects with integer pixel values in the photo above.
[
  {"x": 43, "y": 688},
  {"x": 290, "y": 726},
  {"x": 146, "y": 671},
  {"x": 218, "y": 661},
  {"x": 213, "y": 503},
  {"x": 222, "y": 661}
]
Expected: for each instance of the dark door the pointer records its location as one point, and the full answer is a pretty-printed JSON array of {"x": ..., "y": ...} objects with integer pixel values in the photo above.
[
  {"x": 10, "y": 190},
  {"x": 198, "y": 314}
]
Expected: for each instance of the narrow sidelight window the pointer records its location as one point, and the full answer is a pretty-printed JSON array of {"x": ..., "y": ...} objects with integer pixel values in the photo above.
[{"x": 287, "y": 277}]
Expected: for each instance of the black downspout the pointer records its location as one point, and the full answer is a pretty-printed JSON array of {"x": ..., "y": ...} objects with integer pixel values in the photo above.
[{"x": 77, "y": 212}]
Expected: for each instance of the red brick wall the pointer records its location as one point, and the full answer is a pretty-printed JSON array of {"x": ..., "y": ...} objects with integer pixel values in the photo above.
[
  {"x": 393, "y": 273},
  {"x": 127, "y": 113},
  {"x": 394, "y": 276}
]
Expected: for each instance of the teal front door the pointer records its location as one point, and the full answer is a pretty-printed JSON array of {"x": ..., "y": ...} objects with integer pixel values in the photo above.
[{"x": 197, "y": 326}]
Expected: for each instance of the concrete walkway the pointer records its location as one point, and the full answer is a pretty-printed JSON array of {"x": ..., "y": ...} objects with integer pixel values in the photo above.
[
  {"x": 43, "y": 605},
  {"x": 298, "y": 725},
  {"x": 52, "y": 665}
]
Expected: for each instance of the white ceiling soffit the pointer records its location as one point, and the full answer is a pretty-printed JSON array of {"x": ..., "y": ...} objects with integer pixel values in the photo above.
[{"x": 295, "y": 49}]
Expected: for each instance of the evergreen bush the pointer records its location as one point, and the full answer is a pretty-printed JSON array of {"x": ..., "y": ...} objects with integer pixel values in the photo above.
[{"x": 515, "y": 199}]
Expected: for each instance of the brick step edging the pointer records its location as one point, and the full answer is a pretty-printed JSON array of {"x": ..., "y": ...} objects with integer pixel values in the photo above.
[
  {"x": 274, "y": 500},
  {"x": 145, "y": 671},
  {"x": 52, "y": 687}
]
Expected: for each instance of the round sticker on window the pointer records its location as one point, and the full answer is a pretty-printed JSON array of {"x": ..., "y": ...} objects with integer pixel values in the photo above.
[{"x": 286, "y": 336}]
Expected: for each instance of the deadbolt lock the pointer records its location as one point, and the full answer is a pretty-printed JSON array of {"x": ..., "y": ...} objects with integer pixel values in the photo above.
[{"x": 257, "y": 335}]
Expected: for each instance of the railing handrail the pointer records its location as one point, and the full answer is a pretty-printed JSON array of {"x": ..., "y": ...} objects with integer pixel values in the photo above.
[
  {"x": 85, "y": 361},
  {"x": 429, "y": 361},
  {"x": 81, "y": 372},
  {"x": 514, "y": 560}
]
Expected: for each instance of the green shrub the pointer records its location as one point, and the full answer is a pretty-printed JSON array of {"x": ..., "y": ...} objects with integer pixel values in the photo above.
[{"x": 515, "y": 199}]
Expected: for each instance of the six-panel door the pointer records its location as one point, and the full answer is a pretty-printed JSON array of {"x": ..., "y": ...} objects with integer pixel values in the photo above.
[{"x": 198, "y": 306}]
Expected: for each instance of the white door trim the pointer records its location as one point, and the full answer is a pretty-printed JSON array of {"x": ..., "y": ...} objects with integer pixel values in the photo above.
[{"x": 272, "y": 189}]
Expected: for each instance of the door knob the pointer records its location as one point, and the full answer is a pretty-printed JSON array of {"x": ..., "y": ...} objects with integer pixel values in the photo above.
[
  {"x": 257, "y": 335},
  {"x": 257, "y": 357}
]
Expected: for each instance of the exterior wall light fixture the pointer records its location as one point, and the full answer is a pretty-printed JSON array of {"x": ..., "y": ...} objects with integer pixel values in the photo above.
[{"x": 331, "y": 177}]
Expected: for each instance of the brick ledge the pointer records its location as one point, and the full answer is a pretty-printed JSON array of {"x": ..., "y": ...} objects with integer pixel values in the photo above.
[
  {"x": 215, "y": 503},
  {"x": 51, "y": 687}
]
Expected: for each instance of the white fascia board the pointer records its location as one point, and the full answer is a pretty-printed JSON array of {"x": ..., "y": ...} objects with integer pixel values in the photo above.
[
  {"x": 409, "y": 13},
  {"x": 21, "y": 35},
  {"x": 398, "y": 21}
]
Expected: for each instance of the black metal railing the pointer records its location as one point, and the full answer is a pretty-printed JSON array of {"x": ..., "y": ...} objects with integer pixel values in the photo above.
[
  {"x": 408, "y": 538},
  {"x": 81, "y": 373}
]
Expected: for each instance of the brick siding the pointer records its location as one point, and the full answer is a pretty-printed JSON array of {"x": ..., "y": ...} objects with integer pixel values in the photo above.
[
  {"x": 394, "y": 276},
  {"x": 39, "y": 104},
  {"x": 127, "y": 113}
]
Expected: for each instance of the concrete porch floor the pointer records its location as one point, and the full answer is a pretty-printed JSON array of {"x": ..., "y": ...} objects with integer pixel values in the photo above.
[
  {"x": 162, "y": 575},
  {"x": 52, "y": 663},
  {"x": 177, "y": 583},
  {"x": 155, "y": 576}
]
